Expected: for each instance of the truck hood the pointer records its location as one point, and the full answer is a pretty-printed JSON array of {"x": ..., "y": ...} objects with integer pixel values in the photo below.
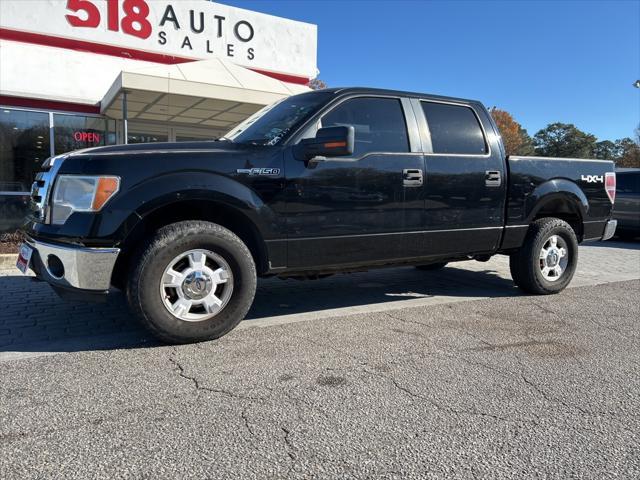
[
  {"x": 142, "y": 160},
  {"x": 162, "y": 147}
]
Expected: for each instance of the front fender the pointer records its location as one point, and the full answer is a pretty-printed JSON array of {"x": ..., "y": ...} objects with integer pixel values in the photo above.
[
  {"x": 120, "y": 217},
  {"x": 144, "y": 198}
]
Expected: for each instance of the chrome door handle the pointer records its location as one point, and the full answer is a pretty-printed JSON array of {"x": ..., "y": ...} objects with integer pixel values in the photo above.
[
  {"x": 493, "y": 178},
  {"x": 412, "y": 177}
]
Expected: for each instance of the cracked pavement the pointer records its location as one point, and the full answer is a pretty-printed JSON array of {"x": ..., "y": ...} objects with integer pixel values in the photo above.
[{"x": 512, "y": 387}]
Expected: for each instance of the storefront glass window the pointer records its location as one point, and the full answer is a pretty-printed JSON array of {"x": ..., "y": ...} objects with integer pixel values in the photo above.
[
  {"x": 141, "y": 137},
  {"x": 74, "y": 132},
  {"x": 24, "y": 145},
  {"x": 195, "y": 138}
]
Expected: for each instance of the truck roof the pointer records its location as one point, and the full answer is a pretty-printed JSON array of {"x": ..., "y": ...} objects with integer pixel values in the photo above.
[{"x": 382, "y": 91}]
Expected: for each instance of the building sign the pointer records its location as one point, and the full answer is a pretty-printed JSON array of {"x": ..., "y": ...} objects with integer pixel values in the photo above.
[
  {"x": 192, "y": 29},
  {"x": 88, "y": 137}
]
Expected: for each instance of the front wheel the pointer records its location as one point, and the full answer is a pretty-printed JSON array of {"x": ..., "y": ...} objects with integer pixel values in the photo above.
[
  {"x": 547, "y": 260},
  {"x": 194, "y": 281}
]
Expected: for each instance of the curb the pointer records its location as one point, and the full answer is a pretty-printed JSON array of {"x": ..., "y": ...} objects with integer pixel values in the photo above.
[{"x": 8, "y": 261}]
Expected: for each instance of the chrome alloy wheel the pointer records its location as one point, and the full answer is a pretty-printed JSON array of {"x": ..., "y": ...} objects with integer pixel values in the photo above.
[
  {"x": 554, "y": 258},
  {"x": 196, "y": 285}
]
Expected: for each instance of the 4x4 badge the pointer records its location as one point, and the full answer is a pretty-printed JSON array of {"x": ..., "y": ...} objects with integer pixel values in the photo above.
[
  {"x": 592, "y": 178},
  {"x": 259, "y": 171}
]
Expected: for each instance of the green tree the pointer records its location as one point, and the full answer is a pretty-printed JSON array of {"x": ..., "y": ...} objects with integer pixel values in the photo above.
[
  {"x": 564, "y": 140},
  {"x": 629, "y": 153},
  {"x": 607, "y": 150},
  {"x": 526, "y": 147}
]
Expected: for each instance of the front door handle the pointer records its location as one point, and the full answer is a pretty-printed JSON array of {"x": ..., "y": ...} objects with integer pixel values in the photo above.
[
  {"x": 412, "y": 177},
  {"x": 493, "y": 178}
]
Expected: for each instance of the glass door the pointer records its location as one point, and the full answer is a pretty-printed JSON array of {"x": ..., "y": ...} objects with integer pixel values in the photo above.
[
  {"x": 147, "y": 133},
  {"x": 24, "y": 145},
  {"x": 193, "y": 134},
  {"x": 140, "y": 132}
]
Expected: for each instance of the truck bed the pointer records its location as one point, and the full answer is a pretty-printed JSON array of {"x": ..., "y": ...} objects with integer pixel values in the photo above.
[{"x": 578, "y": 181}]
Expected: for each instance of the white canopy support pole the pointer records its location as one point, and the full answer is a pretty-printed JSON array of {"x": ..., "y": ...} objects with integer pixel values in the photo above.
[{"x": 125, "y": 121}]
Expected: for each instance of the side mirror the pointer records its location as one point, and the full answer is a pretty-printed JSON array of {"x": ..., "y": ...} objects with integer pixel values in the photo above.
[{"x": 328, "y": 142}]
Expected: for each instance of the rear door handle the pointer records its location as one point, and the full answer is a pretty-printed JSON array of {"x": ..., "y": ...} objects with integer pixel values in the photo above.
[
  {"x": 493, "y": 178},
  {"x": 412, "y": 177}
]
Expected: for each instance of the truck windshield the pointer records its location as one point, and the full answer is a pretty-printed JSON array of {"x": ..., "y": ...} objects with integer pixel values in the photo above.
[{"x": 274, "y": 122}]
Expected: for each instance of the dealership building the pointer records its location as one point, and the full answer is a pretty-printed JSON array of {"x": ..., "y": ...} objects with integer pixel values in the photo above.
[{"x": 83, "y": 73}]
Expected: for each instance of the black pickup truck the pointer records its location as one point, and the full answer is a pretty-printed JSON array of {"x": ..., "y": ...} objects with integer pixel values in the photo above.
[{"x": 336, "y": 180}]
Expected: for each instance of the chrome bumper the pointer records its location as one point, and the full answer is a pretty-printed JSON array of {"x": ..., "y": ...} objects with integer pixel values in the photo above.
[
  {"x": 83, "y": 268},
  {"x": 610, "y": 229}
]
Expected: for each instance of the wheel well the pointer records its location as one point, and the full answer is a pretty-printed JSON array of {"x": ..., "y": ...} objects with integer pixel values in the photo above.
[
  {"x": 214, "y": 212},
  {"x": 564, "y": 210}
]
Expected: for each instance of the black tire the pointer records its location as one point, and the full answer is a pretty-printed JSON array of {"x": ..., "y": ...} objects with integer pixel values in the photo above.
[
  {"x": 432, "y": 266},
  {"x": 525, "y": 263},
  {"x": 143, "y": 288}
]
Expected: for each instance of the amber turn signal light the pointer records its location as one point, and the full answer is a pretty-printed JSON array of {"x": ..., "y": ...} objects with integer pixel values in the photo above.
[
  {"x": 106, "y": 188},
  {"x": 335, "y": 144}
]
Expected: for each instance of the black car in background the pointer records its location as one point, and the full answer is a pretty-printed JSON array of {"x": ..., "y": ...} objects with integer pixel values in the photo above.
[{"x": 627, "y": 205}]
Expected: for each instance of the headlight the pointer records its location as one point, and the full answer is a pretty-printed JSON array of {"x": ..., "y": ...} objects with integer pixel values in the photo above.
[{"x": 74, "y": 193}]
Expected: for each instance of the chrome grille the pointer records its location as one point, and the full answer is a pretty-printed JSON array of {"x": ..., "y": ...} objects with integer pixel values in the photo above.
[{"x": 41, "y": 189}]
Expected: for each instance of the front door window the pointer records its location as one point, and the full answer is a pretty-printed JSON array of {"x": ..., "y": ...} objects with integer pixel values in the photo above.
[{"x": 378, "y": 122}]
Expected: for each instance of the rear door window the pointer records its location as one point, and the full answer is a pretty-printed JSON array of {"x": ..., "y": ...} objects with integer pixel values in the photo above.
[
  {"x": 378, "y": 122},
  {"x": 454, "y": 129}
]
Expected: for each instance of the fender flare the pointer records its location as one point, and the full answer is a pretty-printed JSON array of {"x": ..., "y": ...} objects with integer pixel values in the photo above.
[
  {"x": 557, "y": 189},
  {"x": 154, "y": 194},
  {"x": 157, "y": 192},
  {"x": 139, "y": 201}
]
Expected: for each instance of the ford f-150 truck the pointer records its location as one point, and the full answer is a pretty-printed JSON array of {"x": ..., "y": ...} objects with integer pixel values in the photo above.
[{"x": 335, "y": 180}]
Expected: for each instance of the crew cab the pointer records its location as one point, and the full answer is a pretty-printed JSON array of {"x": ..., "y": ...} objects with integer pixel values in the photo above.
[{"x": 335, "y": 180}]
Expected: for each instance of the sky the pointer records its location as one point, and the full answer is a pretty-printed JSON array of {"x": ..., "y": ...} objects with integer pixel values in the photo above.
[{"x": 542, "y": 61}]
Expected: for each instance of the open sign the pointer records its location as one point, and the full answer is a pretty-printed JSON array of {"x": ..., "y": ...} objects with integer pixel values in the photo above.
[{"x": 88, "y": 137}]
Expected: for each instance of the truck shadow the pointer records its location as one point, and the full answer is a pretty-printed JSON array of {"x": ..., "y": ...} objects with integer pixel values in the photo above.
[
  {"x": 34, "y": 319},
  {"x": 627, "y": 243}
]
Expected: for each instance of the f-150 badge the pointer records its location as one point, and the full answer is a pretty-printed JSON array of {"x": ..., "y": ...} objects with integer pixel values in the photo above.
[
  {"x": 592, "y": 178},
  {"x": 252, "y": 172}
]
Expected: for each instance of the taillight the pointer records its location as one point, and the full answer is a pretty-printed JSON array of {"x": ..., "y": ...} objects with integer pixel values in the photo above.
[{"x": 610, "y": 185}]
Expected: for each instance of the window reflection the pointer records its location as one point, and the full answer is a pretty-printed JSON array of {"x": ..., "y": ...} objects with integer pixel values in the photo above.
[
  {"x": 74, "y": 132},
  {"x": 24, "y": 145}
]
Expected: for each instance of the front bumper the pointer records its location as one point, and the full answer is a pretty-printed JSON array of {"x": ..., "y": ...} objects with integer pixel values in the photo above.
[
  {"x": 610, "y": 229},
  {"x": 73, "y": 266}
]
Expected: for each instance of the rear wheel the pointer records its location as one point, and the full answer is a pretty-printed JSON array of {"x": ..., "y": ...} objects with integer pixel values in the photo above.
[
  {"x": 432, "y": 266},
  {"x": 548, "y": 259},
  {"x": 194, "y": 281}
]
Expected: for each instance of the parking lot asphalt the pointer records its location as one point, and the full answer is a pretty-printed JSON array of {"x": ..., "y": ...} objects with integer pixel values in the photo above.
[
  {"x": 514, "y": 387},
  {"x": 413, "y": 376}
]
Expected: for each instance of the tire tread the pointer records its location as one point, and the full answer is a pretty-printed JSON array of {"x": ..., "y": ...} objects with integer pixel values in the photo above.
[
  {"x": 521, "y": 264},
  {"x": 162, "y": 239}
]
